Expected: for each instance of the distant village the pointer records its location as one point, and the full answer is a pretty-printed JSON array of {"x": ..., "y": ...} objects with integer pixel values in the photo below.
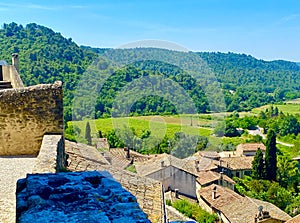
[{"x": 206, "y": 178}]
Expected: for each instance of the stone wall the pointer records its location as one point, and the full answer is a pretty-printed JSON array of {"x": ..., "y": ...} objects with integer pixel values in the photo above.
[
  {"x": 176, "y": 179},
  {"x": 26, "y": 115},
  {"x": 76, "y": 197},
  {"x": 11, "y": 74},
  {"x": 52, "y": 157}
]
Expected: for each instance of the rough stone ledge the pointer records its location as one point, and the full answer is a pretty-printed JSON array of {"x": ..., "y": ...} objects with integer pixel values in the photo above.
[
  {"x": 75, "y": 197},
  {"x": 9, "y": 91},
  {"x": 52, "y": 157}
]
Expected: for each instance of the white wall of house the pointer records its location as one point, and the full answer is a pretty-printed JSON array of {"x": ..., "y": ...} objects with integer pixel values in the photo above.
[{"x": 176, "y": 179}]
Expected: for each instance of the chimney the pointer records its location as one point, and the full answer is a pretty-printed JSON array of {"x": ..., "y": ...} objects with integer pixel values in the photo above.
[
  {"x": 214, "y": 193},
  {"x": 15, "y": 61},
  {"x": 221, "y": 178},
  {"x": 127, "y": 152},
  {"x": 197, "y": 166},
  {"x": 259, "y": 215},
  {"x": 176, "y": 193},
  {"x": 162, "y": 163}
]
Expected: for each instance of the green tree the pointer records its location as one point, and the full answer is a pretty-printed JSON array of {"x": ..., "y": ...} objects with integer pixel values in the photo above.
[
  {"x": 88, "y": 136},
  {"x": 271, "y": 158},
  {"x": 113, "y": 140},
  {"x": 289, "y": 125},
  {"x": 258, "y": 165},
  {"x": 287, "y": 173},
  {"x": 100, "y": 135}
]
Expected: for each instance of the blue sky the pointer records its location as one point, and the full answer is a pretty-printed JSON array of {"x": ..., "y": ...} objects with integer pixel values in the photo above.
[{"x": 265, "y": 29}]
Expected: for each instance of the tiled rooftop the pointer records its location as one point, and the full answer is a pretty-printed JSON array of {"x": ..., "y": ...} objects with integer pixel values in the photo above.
[
  {"x": 295, "y": 219},
  {"x": 147, "y": 191},
  {"x": 208, "y": 154},
  {"x": 238, "y": 208},
  {"x": 223, "y": 196},
  {"x": 117, "y": 157},
  {"x": 236, "y": 163},
  {"x": 205, "y": 177},
  {"x": 188, "y": 164},
  {"x": 245, "y": 209},
  {"x": 251, "y": 146},
  {"x": 155, "y": 164}
]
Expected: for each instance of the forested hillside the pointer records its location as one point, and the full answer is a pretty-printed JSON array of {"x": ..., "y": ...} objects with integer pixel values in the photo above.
[{"x": 46, "y": 56}]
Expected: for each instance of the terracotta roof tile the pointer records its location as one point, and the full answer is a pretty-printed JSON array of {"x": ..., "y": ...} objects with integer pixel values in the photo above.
[
  {"x": 223, "y": 196},
  {"x": 245, "y": 209},
  {"x": 238, "y": 208},
  {"x": 251, "y": 146},
  {"x": 208, "y": 154},
  {"x": 295, "y": 219},
  {"x": 205, "y": 177},
  {"x": 159, "y": 162},
  {"x": 188, "y": 164},
  {"x": 236, "y": 163}
]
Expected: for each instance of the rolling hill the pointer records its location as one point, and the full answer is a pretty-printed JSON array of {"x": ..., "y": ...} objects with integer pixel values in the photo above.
[{"x": 46, "y": 56}]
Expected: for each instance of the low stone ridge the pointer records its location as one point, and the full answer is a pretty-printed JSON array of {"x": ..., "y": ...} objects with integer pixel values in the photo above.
[{"x": 76, "y": 197}]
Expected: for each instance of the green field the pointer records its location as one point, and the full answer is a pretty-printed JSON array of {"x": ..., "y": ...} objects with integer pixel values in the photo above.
[
  {"x": 288, "y": 108},
  {"x": 161, "y": 126},
  {"x": 166, "y": 125}
]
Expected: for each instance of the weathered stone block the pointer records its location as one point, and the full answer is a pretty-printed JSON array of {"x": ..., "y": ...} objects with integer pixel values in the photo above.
[
  {"x": 97, "y": 198},
  {"x": 26, "y": 114}
]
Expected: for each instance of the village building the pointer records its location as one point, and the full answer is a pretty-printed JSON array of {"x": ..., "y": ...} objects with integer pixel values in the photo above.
[
  {"x": 214, "y": 155},
  {"x": 174, "y": 173},
  {"x": 234, "y": 208},
  {"x": 207, "y": 178},
  {"x": 249, "y": 149},
  {"x": 244, "y": 149},
  {"x": 227, "y": 154},
  {"x": 235, "y": 166}
]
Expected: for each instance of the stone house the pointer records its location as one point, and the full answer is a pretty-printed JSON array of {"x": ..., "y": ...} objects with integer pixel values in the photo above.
[
  {"x": 249, "y": 149},
  {"x": 207, "y": 178},
  {"x": 234, "y": 208},
  {"x": 174, "y": 173},
  {"x": 235, "y": 166}
]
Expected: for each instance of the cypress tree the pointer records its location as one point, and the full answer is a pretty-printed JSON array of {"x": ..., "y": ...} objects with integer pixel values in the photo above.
[
  {"x": 270, "y": 159},
  {"x": 100, "y": 134},
  {"x": 258, "y": 166},
  {"x": 88, "y": 133}
]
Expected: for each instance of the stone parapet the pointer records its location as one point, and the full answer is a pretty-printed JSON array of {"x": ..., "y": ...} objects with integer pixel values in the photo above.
[
  {"x": 26, "y": 115},
  {"x": 52, "y": 157}
]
